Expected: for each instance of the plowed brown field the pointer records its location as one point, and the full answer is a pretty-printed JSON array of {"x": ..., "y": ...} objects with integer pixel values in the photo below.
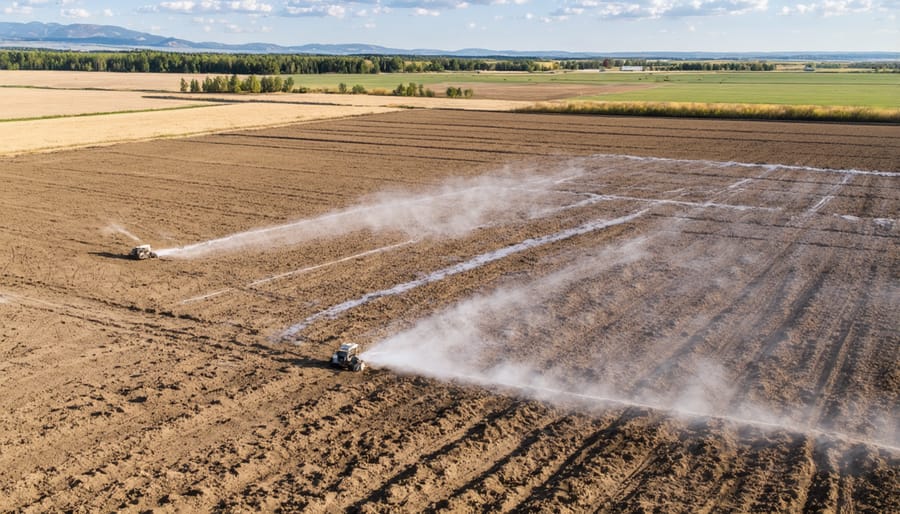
[{"x": 566, "y": 314}]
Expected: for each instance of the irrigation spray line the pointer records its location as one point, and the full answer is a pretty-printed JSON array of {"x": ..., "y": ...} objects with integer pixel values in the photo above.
[
  {"x": 250, "y": 236},
  {"x": 473, "y": 263},
  {"x": 738, "y": 420},
  {"x": 773, "y": 167},
  {"x": 300, "y": 271},
  {"x": 830, "y": 196},
  {"x": 318, "y": 266},
  {"x": 595, "y": 198},
  {"x": 541, "y": 393}
]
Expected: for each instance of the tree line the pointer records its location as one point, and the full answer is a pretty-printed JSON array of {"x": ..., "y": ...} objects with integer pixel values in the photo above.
[
  {"x": 276, "y": 84},
  {"x": 153, "y": 61},
  {"x": 247, "y": 64},
  {"x": 656, "y": 65},
  {"x": 251, "y": 84}
]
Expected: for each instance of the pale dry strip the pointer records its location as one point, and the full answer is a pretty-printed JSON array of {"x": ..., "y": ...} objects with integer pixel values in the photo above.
[
  {"x": 468, "y": 104},
  {"x": 60, "y": 133},
  {"x": 17, "y": 103}
]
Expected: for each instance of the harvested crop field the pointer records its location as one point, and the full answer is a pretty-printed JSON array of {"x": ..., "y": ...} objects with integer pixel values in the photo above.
[
  {"x": 538, "y": 92},
  {"x": 562, "y": 313},
  {"x": 19, "y": 103}
]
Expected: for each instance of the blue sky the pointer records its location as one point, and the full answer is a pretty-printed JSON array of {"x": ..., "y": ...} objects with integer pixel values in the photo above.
[{"x": 574, "y": 25}]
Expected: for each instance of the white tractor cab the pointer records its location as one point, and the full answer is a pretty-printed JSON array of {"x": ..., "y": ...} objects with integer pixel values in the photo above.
[
  {"x": 347, "y": 357},
  {"x": 142, "y": 252}
]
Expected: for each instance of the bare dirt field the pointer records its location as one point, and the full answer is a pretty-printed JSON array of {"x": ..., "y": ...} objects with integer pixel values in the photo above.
[{"x": 563, "y": 314}]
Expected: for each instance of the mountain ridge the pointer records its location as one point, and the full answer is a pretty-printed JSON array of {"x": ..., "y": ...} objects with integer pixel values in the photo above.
[{"x": 113, "y": 38}]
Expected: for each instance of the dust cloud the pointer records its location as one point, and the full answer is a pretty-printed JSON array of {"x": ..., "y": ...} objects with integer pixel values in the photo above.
[{"x": 452, "y": 209}]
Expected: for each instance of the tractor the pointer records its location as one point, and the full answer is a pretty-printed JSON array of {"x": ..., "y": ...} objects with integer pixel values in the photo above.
[
  {"x": 142, "y": 252},
  {"x": 347, "y": 357}
]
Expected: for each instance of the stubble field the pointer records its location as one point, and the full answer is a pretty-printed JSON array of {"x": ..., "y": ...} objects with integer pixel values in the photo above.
[{"x": 563, "y": 313}]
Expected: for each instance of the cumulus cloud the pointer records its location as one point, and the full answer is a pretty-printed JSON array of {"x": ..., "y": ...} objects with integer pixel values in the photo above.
[
  {"x": 831, "y": 8},
  {"x": 74, "y": 13},
  {"x": 655, "y": 8},
  {"x": 559, "y": 11},
  {"x": 214, "y": 6},
  {"x": 17, "y": 8},
  {"x": 427, "y": 5},
  {"x": 314, "y": 8}
]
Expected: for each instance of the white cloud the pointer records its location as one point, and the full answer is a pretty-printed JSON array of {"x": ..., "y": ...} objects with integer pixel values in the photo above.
[
  {"x": 831, "y": 8},
  {"x": 74, "y": 13},
  {"x": 17, "y": 8},
  {"x": 657, "y": 8},
  {"x": 839, "y": 7},
  {"x": 418, "y": 11},
  {"x": 211, "y": 6},
  {"x": 430, "y": 6},
  {"x": 314, "y": 9},
  {"x": 249, "y": 6},
  {"x": 108, "y": 13}
]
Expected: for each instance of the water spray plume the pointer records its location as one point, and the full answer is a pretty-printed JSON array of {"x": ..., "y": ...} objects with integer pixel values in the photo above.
[
  {"x": 452, "y": 209},
  {"x": 118, "y": 229},
  {"x": 471, "y": 264}
]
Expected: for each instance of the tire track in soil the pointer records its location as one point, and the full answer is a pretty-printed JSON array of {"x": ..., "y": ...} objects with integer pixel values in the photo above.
[
  {"x": 443, "y": 421},
  {"x": 655, "y": 131},
  {"x": 777, "y": 469},
  {"x": 310, "y": 172},
  {"x": 427, "y": 468},
  {"x": 512, "y": 478},
  {"x": 568, "y": 144},
  {"x": 847, "y": 369},
  {"x": 597, "y": 470}
]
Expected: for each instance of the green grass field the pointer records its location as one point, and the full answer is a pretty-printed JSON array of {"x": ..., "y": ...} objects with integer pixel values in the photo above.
[{"x": 879, "y": 90}]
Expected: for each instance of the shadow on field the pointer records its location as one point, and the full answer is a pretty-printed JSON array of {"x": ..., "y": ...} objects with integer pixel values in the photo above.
[{"x": 110, "y": 255}]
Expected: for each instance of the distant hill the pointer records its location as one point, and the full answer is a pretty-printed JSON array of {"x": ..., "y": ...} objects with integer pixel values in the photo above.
[{"x": 110, "y": 37}]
